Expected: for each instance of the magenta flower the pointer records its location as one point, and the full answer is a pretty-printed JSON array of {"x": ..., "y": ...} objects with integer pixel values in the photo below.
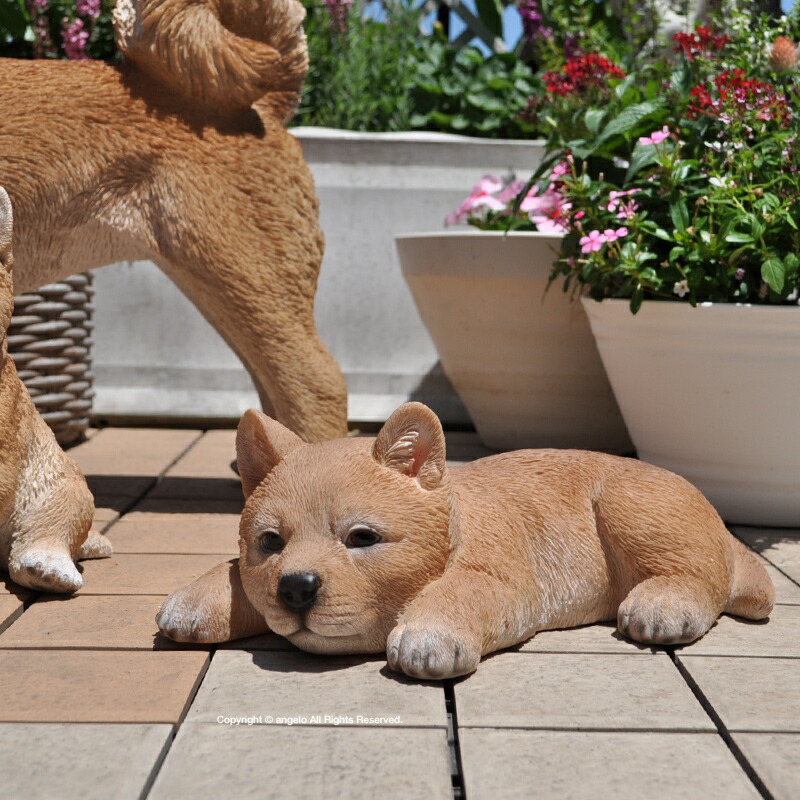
[
  {"x": 592, "y": 242},
  {"x": 88, "y": 8},
  {"x": 75, "y": 38},
  {"x": 656, "y": 137}
]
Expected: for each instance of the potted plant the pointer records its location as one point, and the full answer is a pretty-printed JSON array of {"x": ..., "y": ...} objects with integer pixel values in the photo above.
[
  {"x": 682, "y": 199},
  {"x": 524, "y": 362}
]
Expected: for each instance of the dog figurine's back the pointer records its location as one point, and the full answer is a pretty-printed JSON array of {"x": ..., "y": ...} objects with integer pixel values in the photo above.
[
  {"x": 357, "y": 545},
  {"x": 180, "y": 155},
  {"x": 46, "y": 508}
]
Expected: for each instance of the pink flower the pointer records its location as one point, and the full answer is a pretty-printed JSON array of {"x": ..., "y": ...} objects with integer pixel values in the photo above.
[
  {"x": 562, "y": 168},
  {"x": 656, "y": 137},
  {"x": 593, "y": 242},
  {"x": 613, "y": 235},
  {"x": 483, "y": 196},
  {"x": 88, "y": 8},
  {"x": 75, "y": 38}
]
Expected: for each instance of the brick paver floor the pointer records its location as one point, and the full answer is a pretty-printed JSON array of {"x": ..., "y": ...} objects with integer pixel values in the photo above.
[{"x": 94, "y": 704}]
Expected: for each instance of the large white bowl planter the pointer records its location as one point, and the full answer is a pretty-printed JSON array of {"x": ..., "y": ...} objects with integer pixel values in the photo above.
[
  {"x": 712, "y": 394},
  {"x": 522, "y": 359}
]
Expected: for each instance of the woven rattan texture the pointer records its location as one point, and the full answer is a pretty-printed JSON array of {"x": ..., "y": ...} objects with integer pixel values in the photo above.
[{"x": 50, "y": 341}]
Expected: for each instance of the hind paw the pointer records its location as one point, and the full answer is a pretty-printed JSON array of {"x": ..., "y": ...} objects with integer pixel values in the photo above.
[
  {"x": 95, "y": 546},
  {"x": 46, "y": 570},
  {"x": 655, "y": 612}
]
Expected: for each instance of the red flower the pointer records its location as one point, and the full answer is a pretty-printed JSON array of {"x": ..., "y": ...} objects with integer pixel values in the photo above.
[
  {"x": 738, "y": 96},
  {"x": 699, "y": 43},
  {"x": 581, "y": 73}
]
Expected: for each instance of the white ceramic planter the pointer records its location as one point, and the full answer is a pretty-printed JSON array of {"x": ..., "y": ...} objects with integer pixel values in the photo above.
[
  {"x": 524, "y": 361},
  {"x": 156, "y": 357},
  {"x": 712, "y": 394}
]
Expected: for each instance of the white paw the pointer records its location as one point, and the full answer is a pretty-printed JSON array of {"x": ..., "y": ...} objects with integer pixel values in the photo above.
[
  {"x": 423, "y": 652},
  {"x": 46, "y": 570},
  {"x": 95, "y": 546},
  {"x": 183, "y": 617}
]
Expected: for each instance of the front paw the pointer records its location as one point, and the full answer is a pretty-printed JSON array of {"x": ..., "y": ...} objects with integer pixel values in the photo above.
[
  {"x": 187, "y": 616},
  {"x": 432, "y": 653},
  {"x": 46, "y": 570}
]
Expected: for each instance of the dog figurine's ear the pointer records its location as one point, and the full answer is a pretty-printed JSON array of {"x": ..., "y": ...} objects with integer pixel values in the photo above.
[
  {"x": 261, "y": 443},
  {"x": 412, "y": 443}
]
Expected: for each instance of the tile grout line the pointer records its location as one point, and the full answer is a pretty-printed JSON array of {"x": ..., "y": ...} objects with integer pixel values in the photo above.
[
  {"x": 724, "y": 733},
  {"x": 454, "y": 744}
]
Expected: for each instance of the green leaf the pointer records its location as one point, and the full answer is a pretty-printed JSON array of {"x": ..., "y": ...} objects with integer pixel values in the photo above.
[
  {"x": 643, "y": 156},
  {"x": 681, "y": 78},
  {"x": 679, "y": 214},
  {"x": 623, "y": 87},
  {"x": 490, "y": 13},
  {"x": 773, "y": 274},
  {"x": 13, "y": 19},
  {"x": 636, "y": 298},
  {"x": 734, "y": 237},
  {"x": 757, "y": 227},
  {"x": 630, "y": 118},
  {"x": 592, "y": 119}
]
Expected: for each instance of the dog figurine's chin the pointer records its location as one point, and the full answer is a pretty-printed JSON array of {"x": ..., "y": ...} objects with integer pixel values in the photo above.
[{"x": 359, "y": 546}]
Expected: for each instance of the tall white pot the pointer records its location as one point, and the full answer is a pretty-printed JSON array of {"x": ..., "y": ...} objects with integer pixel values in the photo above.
[
  {"x": 522, "y": 359},
  {"x": 712, "y": 394}
]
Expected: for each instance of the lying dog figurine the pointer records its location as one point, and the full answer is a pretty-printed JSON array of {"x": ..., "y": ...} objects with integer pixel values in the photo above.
[
  {"x": 46, "y": 508},
  {"x": 179, "y": 155},
  {"x": 356, "y": 545}
]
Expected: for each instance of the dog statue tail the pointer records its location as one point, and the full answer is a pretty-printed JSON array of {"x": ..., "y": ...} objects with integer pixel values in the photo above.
[
  {"x": 225, "y": 54},
  {"x": 752, "y": 594}
]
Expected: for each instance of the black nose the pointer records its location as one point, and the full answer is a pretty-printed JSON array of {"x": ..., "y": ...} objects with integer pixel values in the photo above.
[{"x": 299, "y": 589}]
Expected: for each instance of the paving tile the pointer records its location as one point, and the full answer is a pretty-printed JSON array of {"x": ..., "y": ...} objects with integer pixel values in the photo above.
[
  {"x": 79, "y": 762},
  {"x": 140, "y": 532},
  {"x": 787, "y": 591},
  {"x": 780, "y": 546},
  {"x": 195, "y": 505},
  {"x": 750, "y": 694},
  {"x": 734, "y": 636},
  {"x": 97, "y": 686},
  {"x": 144, "y": 574},
  {"x": 579, "y": 691},
  {"x": 117, "y": 491},
  {"x": 266, "y": 641},
  {"x": 10, "y": 609},
  {"x": 208, "y": 762},
  {"x": 775, "y": 758},
  {"x": 293, "y": 684},
  {"x": 132, "y": 451},
  {"x": 104, "y": 516},
  {"x": 574, "y": 765},
  {"x": 209, "y": 457},
  {"x": 90, "y": 622},
  {"x": 220, "y": 489},
  {"x": 602, "y": 638}
]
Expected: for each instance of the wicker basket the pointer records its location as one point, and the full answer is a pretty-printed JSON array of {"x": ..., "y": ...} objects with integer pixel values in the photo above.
[{"x": 49, "y": 339}]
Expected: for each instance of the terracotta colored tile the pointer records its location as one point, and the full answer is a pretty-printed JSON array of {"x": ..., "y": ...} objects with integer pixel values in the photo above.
[
  {"x": 114, "y": 504},
  {"x": 90, "y": 622},
  {"x": 209, "y": 762},
  {"x": 144, "y": 574},
  {"x": 10, "y": 609},
  {"x": 176, "y": 533},
  {"x": 104, "y": 515},
  {"x": 197, "y": 505},
  {"x": 224, "y": 489},
  {"x": 8, "y": 587},
  {"x": 97, "y": 686},
  {"x": 132, "y": 451},
  {"x": 210, "y": 457},
  {"x": 79, "y": 762}
]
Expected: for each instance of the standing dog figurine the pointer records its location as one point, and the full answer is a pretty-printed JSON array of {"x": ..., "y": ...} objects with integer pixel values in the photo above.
[
  {"x": 46, "y": 508},
  {"x": 357, "y": 545},
  {"x": 180, "y": 155}
]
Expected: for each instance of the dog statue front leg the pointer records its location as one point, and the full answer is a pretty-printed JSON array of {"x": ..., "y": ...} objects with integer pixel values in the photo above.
[
  {"x": 214, "y": 608},
  {"x": 455, "y": 620}
]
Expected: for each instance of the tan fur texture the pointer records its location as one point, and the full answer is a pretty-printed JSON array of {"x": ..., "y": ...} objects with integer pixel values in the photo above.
[
  {"x": 179, "y": 155},
  {"x": 467, "y": 560},
  {"x": 46, "y": 508}
]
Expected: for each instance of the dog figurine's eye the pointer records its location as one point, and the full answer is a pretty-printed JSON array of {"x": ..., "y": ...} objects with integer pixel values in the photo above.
[
  {"x": 362, "y": 537},
  {"x": 270, "y": 542}
]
